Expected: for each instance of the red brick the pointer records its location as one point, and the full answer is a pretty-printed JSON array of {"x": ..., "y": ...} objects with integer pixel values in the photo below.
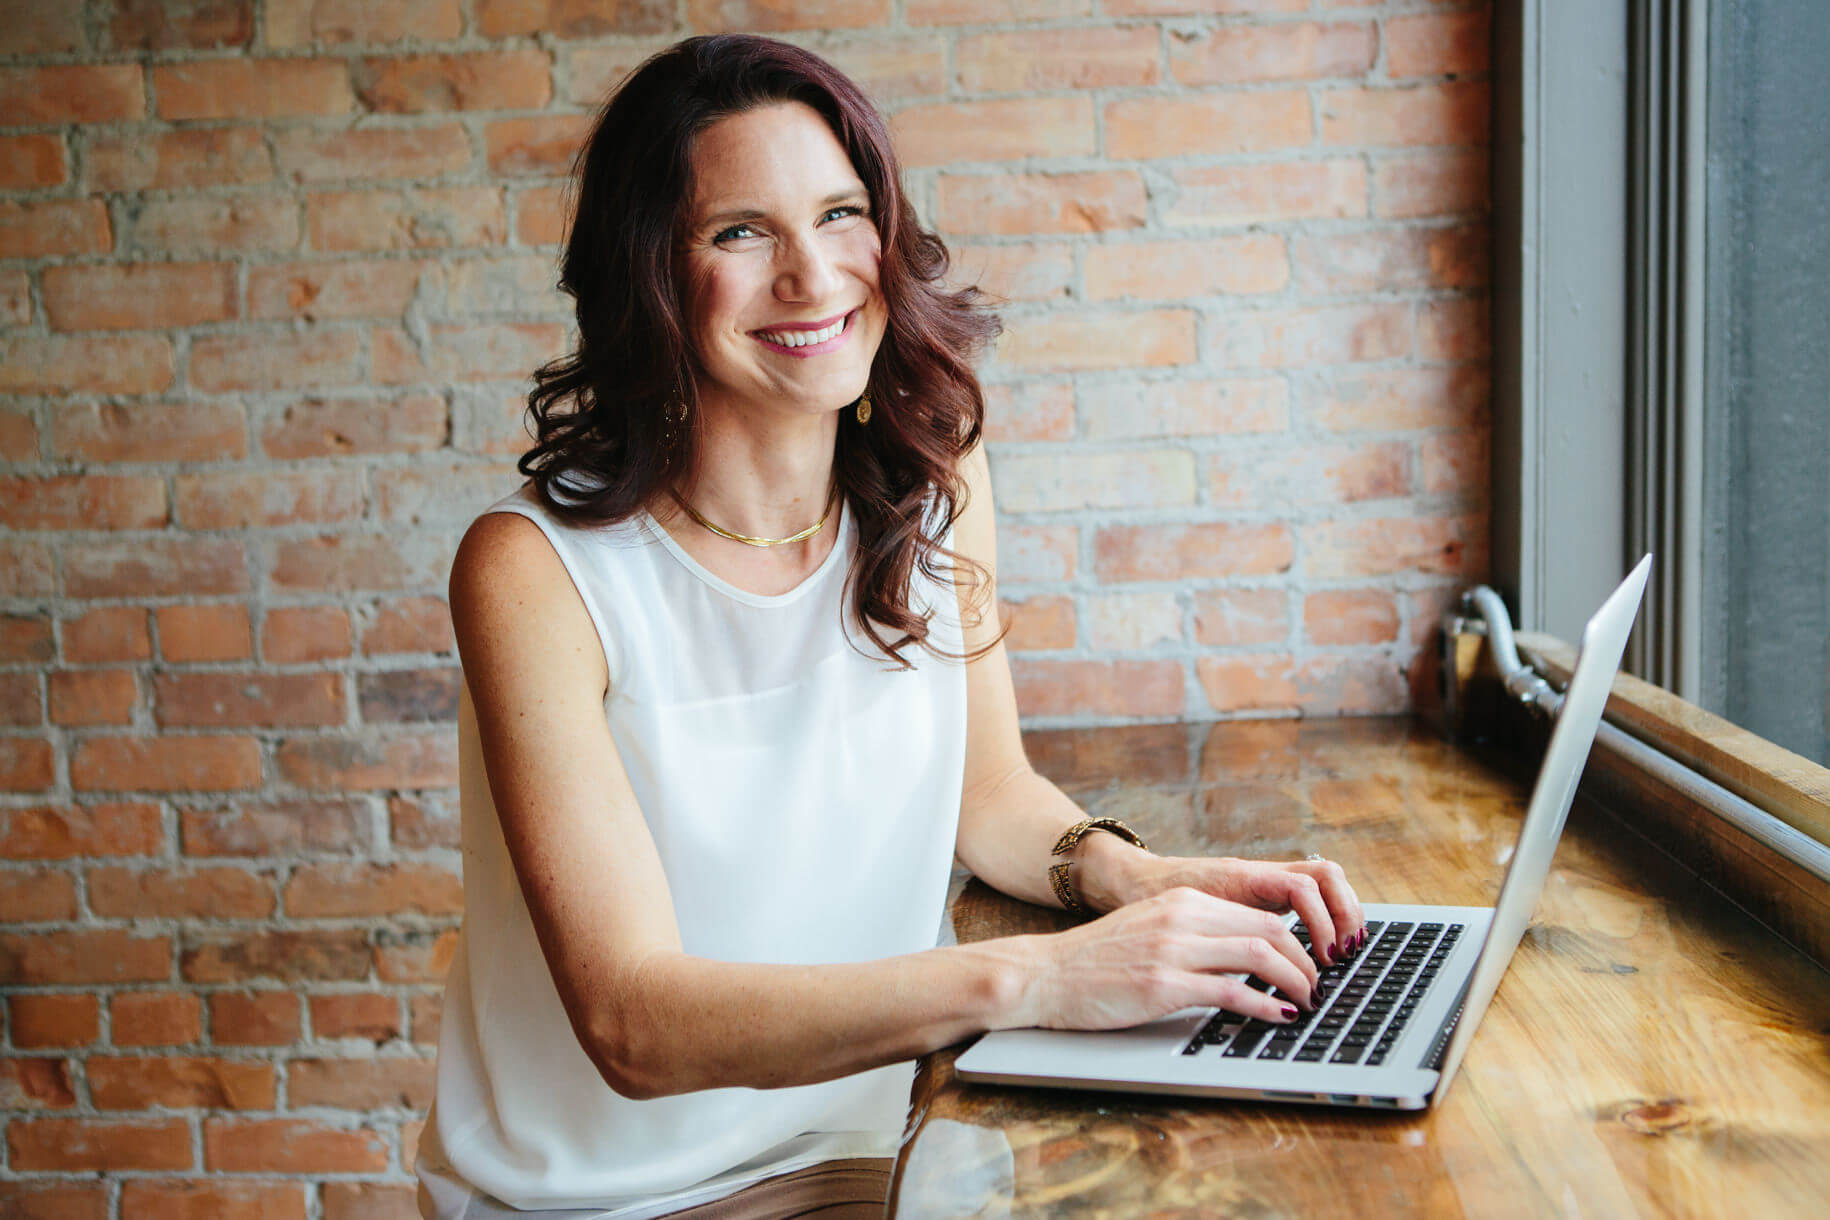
[
  {"x": 71, "y": 502},
  {"x": 428, "y": 1011},
  {"x": 1418, "y": 114},
  {"x": 1249, "y": 683},
  {"x": 1439, "y": 182},
  {"x": 138, "y": 296},
  {"x": 1382, "y": 260},
  {"x": 576, "y": 18},
  {"x": 1312, "y": 474},
  {"x": 1454, "y": 329},
  {"x": 1457, "y": 463},
  {"x": 25, "y": 569},
  {"x": 112, "y": 633},
  {"x": 543, "y": 144},
  {"x": 1090, "y": 58},
  {"x": 887, "y": 67},
  {"x": 1098, "y": 688},
  {"x": 157, "y": 25},
  {"x": 299, "y": 634},
  {"x": 222, "y": 893},
  {"x": 715, "y": 16},
  {"x": 541, "y": 215},
  {"x": 71, "y": 93},
  {"x": 336, "y": 290},
  {"x": 92, "y": 955},
  {"x": 148, "y": 432},
  {"x": 155, "y": 567},
  {"x": 1106, "y": 340},
  {"x": 1132, "y": 478},
  {"x": 495, "y": 351},
  {"x": 593, "y": 71},
  {"x": 455, "y": 493},
  {"x": 414, "y": 84},
  {"x": 15, "y": 310},
  {"x": 216, "y": 225},
  {"x": 223, "y": 956},
  {"x": 242, "y": 88},
  {"x": 1036, "y": 552},
  {"x": 43, "y": 29},
  {"x": 236, "y": 500},
  {"x": 290, "y": 1145},
  {"x": 254, "y": 1018},
  {"x": 1389, "y": 399},
  {"x": 1029, "y": 410},
  {"x": 1442, "y": 546},
  {"x": 1207, "y": 125},
  {"x": 371, "y": 154},
  {"x": 276, "y": 360},
  {"x": 1307, "y": 337},
  {"x": 522, "y": 283},
  {"x": 92, "y": 364},
  {"x": 371, "y": 1015},
  {"x": 332, "y": 428},
  {"x": 1177, "y": 270},
  {"x": 407, "y": 695},
  {"x": 217, "y": 632},
  {"x": 1152, "y": 8},
  {"x": 1226, "y": 407},
  {"x": 1008, "y": 129},
  {"x": 140, "y": 1082},
  {"x": 202, "y": 1198},
  {"x": 494, "y": 423},
  {"x": 26, "y": 638},
  {"x": 1350, "y": 616},
  {"x": 188, "y": 157},
  {"x": 1437, "y": 44},
  {"x": 30, "y": 161},
  {"x": 66, "y": 831},
  {"x": 1228, "y": 617},
  {"x": 26, "y": 764},
  {"x": 218, "y": 700},
  {"x": 349, "y": 764},
  {"x": 974, "y": 12},
  {"x": 1131, "y": 622},
  {"x": 1029, "y": 272},
  {"x": 1191, "y": 552},
  {"x": 409, "y": 624},
  {"x": 155, "y": 1018},
  {"x": 50, "y": 1200},
  {"x": 36, "y": 897},
  {"x": 18, "y": 436},
  {"x": 330, "y": 826},
  {"x": 21, "y": 700},
  {"x": 361, "y": 1084},
  {"x": 320, "y": 891},
  {"x": 406, "y": 220},
  {"x": 297, "y": 23},
  {"x": 93, "y": 696},
  {"x": 41, "y": 1021},
  {"x": 42, "y": 228},
  {"x": 414, "y": 956},
  {"x": 1297, "y": 50},
  {"x": 165, "y": 764},
  {"x": 347, "y": 562},
  {"x": 1021, "y": 204},
  {"x": 80, "y": 1144},
  {"x": 424, "y": 819},
  {"x": 36, "y": 1083}
]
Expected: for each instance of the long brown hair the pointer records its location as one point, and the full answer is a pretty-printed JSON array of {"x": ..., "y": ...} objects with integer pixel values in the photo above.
[{"x": 602, "y": 450}]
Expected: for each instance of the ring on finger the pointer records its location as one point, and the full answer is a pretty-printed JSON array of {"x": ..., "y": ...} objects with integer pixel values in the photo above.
[{"x": 1316, "y": 857}]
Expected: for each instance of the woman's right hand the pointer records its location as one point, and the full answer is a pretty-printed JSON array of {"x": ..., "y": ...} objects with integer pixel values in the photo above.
[{"x": 1151, "y": 958}]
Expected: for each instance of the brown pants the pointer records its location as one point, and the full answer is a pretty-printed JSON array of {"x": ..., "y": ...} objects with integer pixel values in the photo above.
[{"x": 854, "y": 1189}]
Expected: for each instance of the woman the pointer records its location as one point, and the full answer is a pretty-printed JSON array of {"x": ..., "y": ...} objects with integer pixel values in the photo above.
[{"x": 721, "y": 741}]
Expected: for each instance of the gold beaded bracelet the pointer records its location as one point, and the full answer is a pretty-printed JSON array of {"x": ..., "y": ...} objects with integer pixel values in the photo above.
[{"x": 1058, "y": 873}]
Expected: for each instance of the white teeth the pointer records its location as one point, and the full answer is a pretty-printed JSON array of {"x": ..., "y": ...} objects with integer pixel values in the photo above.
[{"x": 801, "y": 338}]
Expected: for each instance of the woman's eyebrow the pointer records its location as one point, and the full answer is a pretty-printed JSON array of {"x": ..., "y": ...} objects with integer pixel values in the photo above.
[{"x": 743, "y": 213}]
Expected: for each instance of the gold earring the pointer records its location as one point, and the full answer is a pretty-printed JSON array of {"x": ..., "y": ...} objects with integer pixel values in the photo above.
[
  {"x": 674, "y": 414},
  {"x": 864, "y": 407}
]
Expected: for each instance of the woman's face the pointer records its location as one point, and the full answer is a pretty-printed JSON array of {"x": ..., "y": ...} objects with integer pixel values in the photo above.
[{"x": 779, "y": 264}]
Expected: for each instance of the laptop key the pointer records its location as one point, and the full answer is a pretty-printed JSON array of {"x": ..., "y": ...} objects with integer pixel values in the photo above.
[
  {"x": 1348, "y": 1054},
  {"x": 1247, "y": 1041}
]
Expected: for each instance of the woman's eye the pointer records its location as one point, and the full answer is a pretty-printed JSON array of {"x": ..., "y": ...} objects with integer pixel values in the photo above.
[
  {"x": 849, "y": 209},
  {"x": 734, "y": 233}
]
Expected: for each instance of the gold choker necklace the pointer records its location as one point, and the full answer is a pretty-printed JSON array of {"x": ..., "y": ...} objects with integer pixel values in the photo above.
[{"x": 809, "y": 532}]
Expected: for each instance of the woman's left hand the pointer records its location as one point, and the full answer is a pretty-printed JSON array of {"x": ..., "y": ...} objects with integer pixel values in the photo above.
[{"x": 1317, "y": 890}]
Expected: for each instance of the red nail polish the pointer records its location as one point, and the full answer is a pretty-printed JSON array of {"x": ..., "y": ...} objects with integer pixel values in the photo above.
[{"x": 1289, "y": 1012}]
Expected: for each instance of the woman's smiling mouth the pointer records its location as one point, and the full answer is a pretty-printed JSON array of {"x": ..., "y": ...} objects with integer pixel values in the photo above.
[{"x": 807, "y": 342}]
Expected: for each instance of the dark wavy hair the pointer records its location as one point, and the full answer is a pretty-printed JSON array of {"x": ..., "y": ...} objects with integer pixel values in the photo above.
[{"x": 601, "y": 450}]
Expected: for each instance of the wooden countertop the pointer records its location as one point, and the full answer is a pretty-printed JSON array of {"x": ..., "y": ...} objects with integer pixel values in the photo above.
[{"x": 1653, "y": 1051}]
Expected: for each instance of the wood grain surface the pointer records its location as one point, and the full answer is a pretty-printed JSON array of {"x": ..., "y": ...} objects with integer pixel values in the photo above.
[{"x": 1653, "y": 1051}]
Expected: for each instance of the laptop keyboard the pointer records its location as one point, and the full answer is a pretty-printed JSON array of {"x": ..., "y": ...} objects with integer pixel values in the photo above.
[{"x": 1371, "y": 998}]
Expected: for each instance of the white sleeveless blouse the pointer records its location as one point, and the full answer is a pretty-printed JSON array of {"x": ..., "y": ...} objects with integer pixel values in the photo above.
[{"x": 804, "y": 798}]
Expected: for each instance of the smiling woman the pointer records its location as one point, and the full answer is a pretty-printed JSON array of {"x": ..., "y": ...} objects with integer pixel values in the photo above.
[{"x": 717, "y": 749}]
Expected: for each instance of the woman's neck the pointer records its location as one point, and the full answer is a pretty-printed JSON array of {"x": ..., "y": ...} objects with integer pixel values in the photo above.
[{"x": 768, "y": 479}]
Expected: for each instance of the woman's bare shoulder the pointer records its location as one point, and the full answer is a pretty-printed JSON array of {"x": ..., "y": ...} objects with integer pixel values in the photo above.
[{"x": 511, "y": 597}]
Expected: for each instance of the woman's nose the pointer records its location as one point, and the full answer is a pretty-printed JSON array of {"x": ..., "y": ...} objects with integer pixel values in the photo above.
[{"x": 806, "y": 271}]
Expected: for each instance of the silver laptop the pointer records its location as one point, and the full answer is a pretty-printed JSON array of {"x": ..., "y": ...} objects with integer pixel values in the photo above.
[{"x": 1399, "y": 1014}]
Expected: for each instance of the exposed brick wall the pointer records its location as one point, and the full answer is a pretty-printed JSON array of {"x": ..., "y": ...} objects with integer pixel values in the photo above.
[{"x": 272, "y": 277}]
